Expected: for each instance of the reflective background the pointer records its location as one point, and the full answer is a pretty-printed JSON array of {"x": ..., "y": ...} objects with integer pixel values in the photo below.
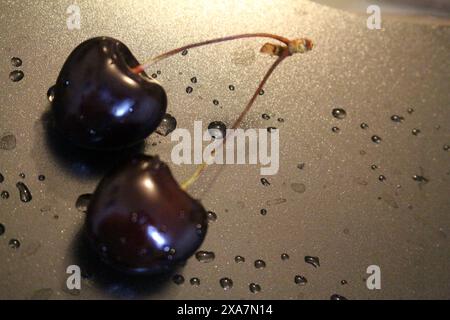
[{"x": 326, "y": 201}]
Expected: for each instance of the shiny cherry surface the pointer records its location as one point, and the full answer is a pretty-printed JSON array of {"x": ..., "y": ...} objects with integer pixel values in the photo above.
[
  {"x": 140, "y": 221},
  {"x": 100, "y": 103}
]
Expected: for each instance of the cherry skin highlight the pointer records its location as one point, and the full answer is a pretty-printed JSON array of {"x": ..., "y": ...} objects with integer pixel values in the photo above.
[
  {"x": 140, "y": 221},
  {"x": 100, "y": 103}
]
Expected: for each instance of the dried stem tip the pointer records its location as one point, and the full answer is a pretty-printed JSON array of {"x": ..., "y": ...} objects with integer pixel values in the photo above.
[{"x": 295, "y": 46}]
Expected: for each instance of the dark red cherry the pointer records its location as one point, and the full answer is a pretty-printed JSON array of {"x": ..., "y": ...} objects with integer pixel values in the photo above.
[
  {"x": 140, "y": 221},
  {"x": 100, "y": 103}
]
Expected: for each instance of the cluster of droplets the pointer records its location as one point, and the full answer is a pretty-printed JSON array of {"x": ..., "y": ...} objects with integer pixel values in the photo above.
[{"x": 16, "y": 75}]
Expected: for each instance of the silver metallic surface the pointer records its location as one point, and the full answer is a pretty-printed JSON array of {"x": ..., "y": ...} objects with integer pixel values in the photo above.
[{"x": 345, "y": 215}]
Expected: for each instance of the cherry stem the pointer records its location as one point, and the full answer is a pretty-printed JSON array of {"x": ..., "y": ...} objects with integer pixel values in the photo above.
[
  {"x": 291, "y": 46},
  {"x": 186, "y": 184},
  {"x": 142, "y": 67}
]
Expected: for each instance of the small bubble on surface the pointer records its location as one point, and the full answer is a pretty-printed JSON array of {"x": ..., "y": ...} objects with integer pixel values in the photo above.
[
  {"x": 376, "y": 139},
  {"x": 195, "y": 282},
  {"x": 16, "y": 75},
  {"x": 83, "y": 201},
  {"x": 178, "y": 279},
  {"x": 339, "y": 113},
  {"x": 300, "y": 280},
  {"x": 260, "y": 264},
  {"x": 226, "y": 283},
  {"x": 212, "y": 216},
  {"x": 167, "y": 125},
  {"x": 254, "y": 287},
  {"x": 16, "y": 62},
  {"x": 4, "y": 194},
  {"x": 205, "y": 256},
  {"x": 337, "y": 297},
  {"x": 14, "y": 244},
  {"x": 314, "y": 261},
  {"x": 24, "y": 192}
]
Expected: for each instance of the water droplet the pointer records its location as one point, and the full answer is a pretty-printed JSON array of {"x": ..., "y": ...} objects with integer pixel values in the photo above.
[
  {"x": 410, "y": 110},
  {"x": 419, "y": 178},
  {"x": 205, "y": 256},
  {"x": 22, "y": 175},
  {"x": 41, "y": 177},
  {"x": 195, "y": 282},
  {"x": 364, "y": 125},
  {"x": 2, "y": 229},
  {"x": 167, "y": 125},
  {"x": 261, "y": 92},
  {"x": 265, "y": 116},
  {"x": 216, "y": 102},
  {"x": 415, "y": 132},
  {"x": 263, "y": 212},
  {"x": 4, "y": 195},
  {"x": 339, "y": 113},
  {"x": 397, "y": 118},
  {"x": 314, "y": 261},
  {"x": 284, "y": 256},
  {"x": 16, "y": 75},
  {"x": 280, "y": 120},
  {"x": 154, "y": 75},
  {"x": 51, "y": 93},
  {"x": 178, "y": 279},
  {"x": 374, "y": 167},
  {"x": 189, "y": 90},
  {"x": 8, "y": 141},
  {"x": 344, "y": 282},
  {"x": 337, "y": 297},
  {"x": 300, "y": 280},
  {"x": 24, "y": 192},
  {"x": 260, "y": 264},
  {"x": 226, "y": 283},
  {"x": 265, "y": 182},
  {"x": 158, "y": 71},
  {"x": 212, "y": 216},
  {"x": 83, "y": 201},
  {"x": 446, "y": 147},
  {"x": 335, "y": 129},
  {"x": 14, "y": 244},
  {"x": 298, "y": 187},
  {"x": 254, "y": 287},
  {"x": 16, "y": 62},
  {"x": 376, "y": 139},
  {"x": 239, "y": 259},
  {"x": 231, "y": 87},
  {"x": 184, "y": 52},
  {"x": 217, "y": 129},
  {"x": 382, "y": 178},
  {"x": 194, "y": 79}
]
